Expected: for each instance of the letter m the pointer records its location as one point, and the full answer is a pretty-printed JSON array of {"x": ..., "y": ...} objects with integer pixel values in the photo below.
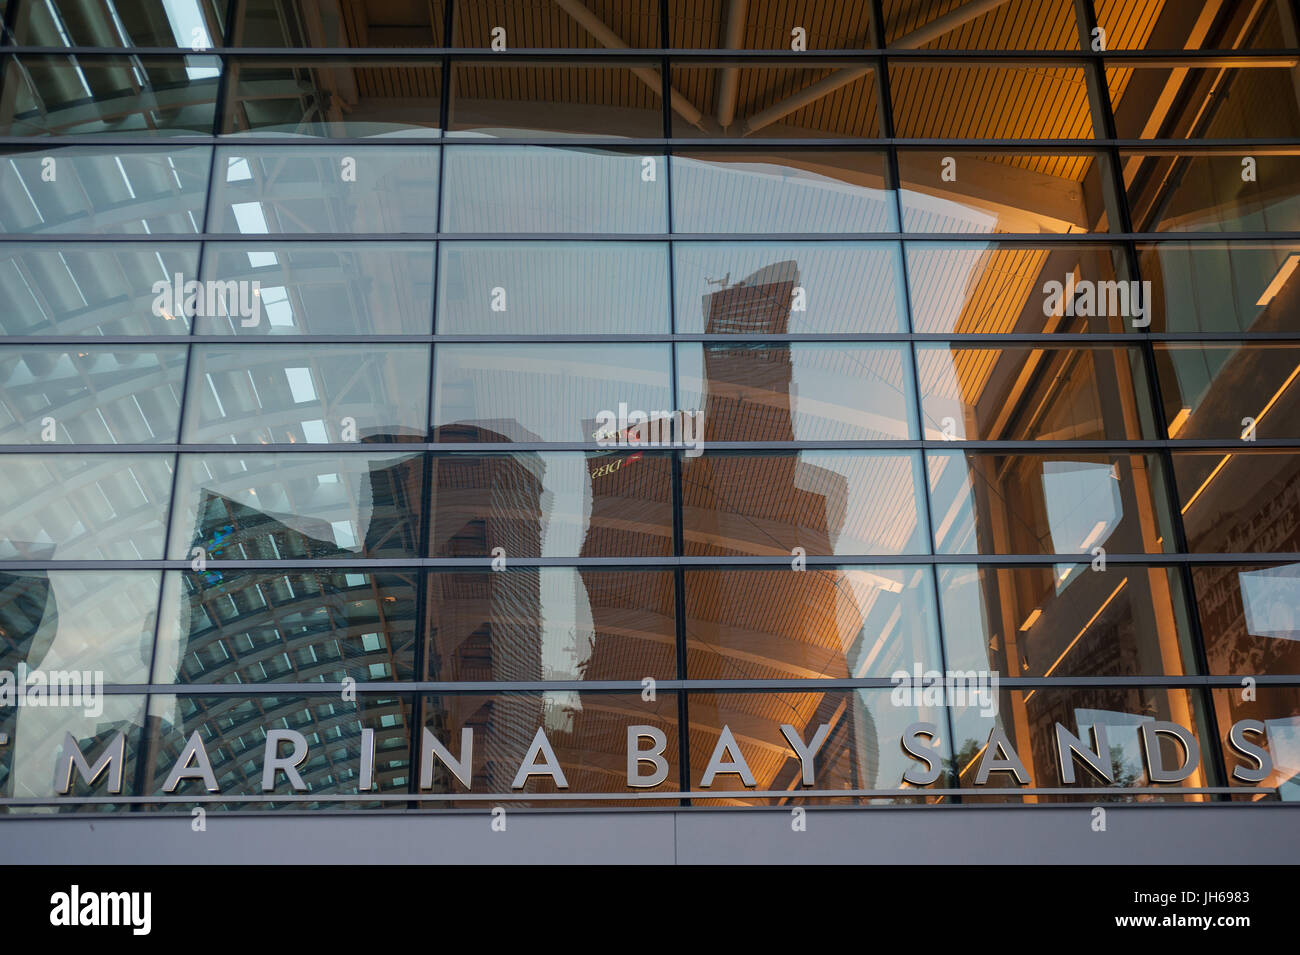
[
  {"x": 1112, "y": 298},
  {"x": 221, "y": 293},
  {"x": 119, "y": 904},
  {"x": 63, "y": 682},
  {"x": 111, "y": 762},
  {"x": 963, "y": 685}
]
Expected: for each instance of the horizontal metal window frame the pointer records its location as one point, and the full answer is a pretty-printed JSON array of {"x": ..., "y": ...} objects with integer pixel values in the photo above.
[
  {"x": 1181, "y": 58},
  {"x": 1062, "y": 340},
  {"x": 1263, "y": 146},
  {"x": 331, "y": 691},
  {"x": 667, "y": 562},
  {"x": 1028, "y": 447},
  {"x": 984, "y": 238}
]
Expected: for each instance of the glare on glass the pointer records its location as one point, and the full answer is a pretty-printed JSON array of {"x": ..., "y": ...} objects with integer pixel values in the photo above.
[
  {"x": 90, "y": 394},
  {"x": 87, "y": 288},
  {"x": 85, "y": 621},
  {"x": 261, "y": 190},
  {"x": 490, "y": 189},
  {"x": 314, "y": 394},
  {"x": 545, "y": 392},
  {"x": 547, "y": 288},
  {"x": 139, "y": 190},
  {"x": 321, "y": 288},
  {"x": 775, "y": 191},
  {"x": 84, "y": 506}
]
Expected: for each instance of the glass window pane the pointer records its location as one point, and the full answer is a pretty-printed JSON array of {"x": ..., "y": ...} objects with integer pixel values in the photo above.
[
  {"x": 594, "y": 24},
  {"x": 551, "y": 623},
  {"x": 196, "y": 24},
  {"x": 110, "y": 95},
  {"x": 1029, "y": 718},
  {"x": 1017, "y": 25},
  {"x": 1206, "y": 192},
  {"x": 802, "y": 391},
  {"x": 860, "y": 752},
  {"x": 760, "y": 288},
  {"x": 336, "y": 24},
  {"x": 793, "y": 191},
  {"x": 987, "y": 288},
  {"x": 491, "y": 188},
  {"x": 322, "y": 288},
  {"x": 36, "y": 737},
  {"x": 233, "y": 730},
  {"x": 1063, "y": 503},
  {"x": 1278, "y": 709},
  {"x": 1250, "y": 616},
  {"x": 1066, "y": 621},
  {"x": 1222, "y": 103},
  {"x": 706, "y": 25},
  {"x": 832, "y": 622},
  {"x": 297, "y": 505},
  {"x": 1209, "y": 391},
  {"x": 359, "y": 96},
  {"x": 313, "y": 394},
  {"x": 94, "y": 289},
  {"x": 84, "y": 506},
  {"x": 847, "y": 503},
  {"x": 1030, "y": 101},
  {"x": 317, "y": 626},
  {"x": 546, "y": 392},
  {"x": 982, "y": 393},
  {"x": 552, "y": 504},
  {"x": 772, "y": 100},
  {"x": 490, "y": 98},
  {"x": 90, "y": 394},
  {"x": 132, "y": 189},
  {"x": 1178, "y": 26},
  {"x": 1004, "y": 193},
  {"x": 295, "y": 189},
  {"x": 551, "y": 288},
  {"x": 1217, "y": 287},
  {"x": 86, "y": 621},
  {"x": 1240, "y": 502}
]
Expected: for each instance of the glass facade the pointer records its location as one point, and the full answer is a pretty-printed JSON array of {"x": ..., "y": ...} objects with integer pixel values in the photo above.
[{"x": 656, "y": 382}]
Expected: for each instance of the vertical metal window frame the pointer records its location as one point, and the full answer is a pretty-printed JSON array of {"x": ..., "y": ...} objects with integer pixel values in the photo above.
[
  {"x": 885, "y": 109},
  {"x": 424, "y": 545},
  {"x": 1103, "y": 122},
  {"x": 143, "y": 761}
]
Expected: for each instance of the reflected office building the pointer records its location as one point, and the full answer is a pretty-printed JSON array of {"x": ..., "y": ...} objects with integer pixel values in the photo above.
[{"x": 391, "y": 428}]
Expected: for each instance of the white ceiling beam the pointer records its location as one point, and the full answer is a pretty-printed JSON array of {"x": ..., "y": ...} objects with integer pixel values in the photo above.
[{"x": 919, "y": 37}]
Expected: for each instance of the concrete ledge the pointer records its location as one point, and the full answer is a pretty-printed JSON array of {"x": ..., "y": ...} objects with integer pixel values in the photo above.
[{"x": 1162, "y": 835}]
